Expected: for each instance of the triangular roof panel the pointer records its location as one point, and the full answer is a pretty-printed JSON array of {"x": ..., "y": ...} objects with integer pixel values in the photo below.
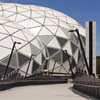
[{"x": 54, "y": 44}]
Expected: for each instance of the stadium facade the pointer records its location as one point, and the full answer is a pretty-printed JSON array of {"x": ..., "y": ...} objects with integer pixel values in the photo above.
[{"x": 43, "y": 34}]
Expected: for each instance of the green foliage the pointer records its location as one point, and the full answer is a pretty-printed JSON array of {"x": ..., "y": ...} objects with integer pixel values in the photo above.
[{"x": 98, "y": 64}]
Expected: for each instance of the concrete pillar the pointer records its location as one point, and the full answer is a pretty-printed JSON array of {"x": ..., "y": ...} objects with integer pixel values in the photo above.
[{"x": 91, "y": 45}]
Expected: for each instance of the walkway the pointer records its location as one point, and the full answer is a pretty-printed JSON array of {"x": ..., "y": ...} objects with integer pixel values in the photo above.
[{"x": 43, "y": 92}]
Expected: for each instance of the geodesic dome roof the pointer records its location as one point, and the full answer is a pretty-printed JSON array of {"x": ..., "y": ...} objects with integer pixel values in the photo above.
[{"x": 42, "y": 32}]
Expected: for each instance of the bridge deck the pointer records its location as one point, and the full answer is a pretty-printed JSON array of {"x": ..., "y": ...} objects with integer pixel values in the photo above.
[{"x": 43, "y": 92}]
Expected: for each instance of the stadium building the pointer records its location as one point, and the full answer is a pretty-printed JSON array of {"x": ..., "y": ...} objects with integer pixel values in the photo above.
[{"x": 44, "y": 34}]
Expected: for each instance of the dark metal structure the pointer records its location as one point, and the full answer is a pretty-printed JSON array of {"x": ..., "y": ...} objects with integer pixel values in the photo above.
[
  {"x": 91, "y": 47},
  {"x": 82, "y": 48},
  {"x": 10, "y": 58},
  {"x": 69, "y": 62},
  {"x": 28, "y": 65}
]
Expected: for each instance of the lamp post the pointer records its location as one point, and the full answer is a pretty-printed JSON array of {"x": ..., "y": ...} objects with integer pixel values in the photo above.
[
  {"x": 83, "y": 51},
  {"x": 10, "y": 58}
]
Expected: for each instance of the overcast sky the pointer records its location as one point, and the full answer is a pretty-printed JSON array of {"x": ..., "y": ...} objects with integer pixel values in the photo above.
[{"x": 81, "y": 10}]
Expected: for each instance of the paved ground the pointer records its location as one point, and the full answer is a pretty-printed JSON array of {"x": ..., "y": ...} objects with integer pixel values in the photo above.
[{"x": 43, "y": 92}]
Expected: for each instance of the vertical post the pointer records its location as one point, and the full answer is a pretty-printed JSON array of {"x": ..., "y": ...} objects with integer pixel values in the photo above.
[
  {"x": 94, "y": 48},
  {"x": 28, "y": 66},
  {"x": 69, "y": 62},
  {"x": 9, "y": 60},
  {"x": 83, "y": 51},
  {"x": 91, "y": 45},
  {"x": 53, "y": 67}
]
